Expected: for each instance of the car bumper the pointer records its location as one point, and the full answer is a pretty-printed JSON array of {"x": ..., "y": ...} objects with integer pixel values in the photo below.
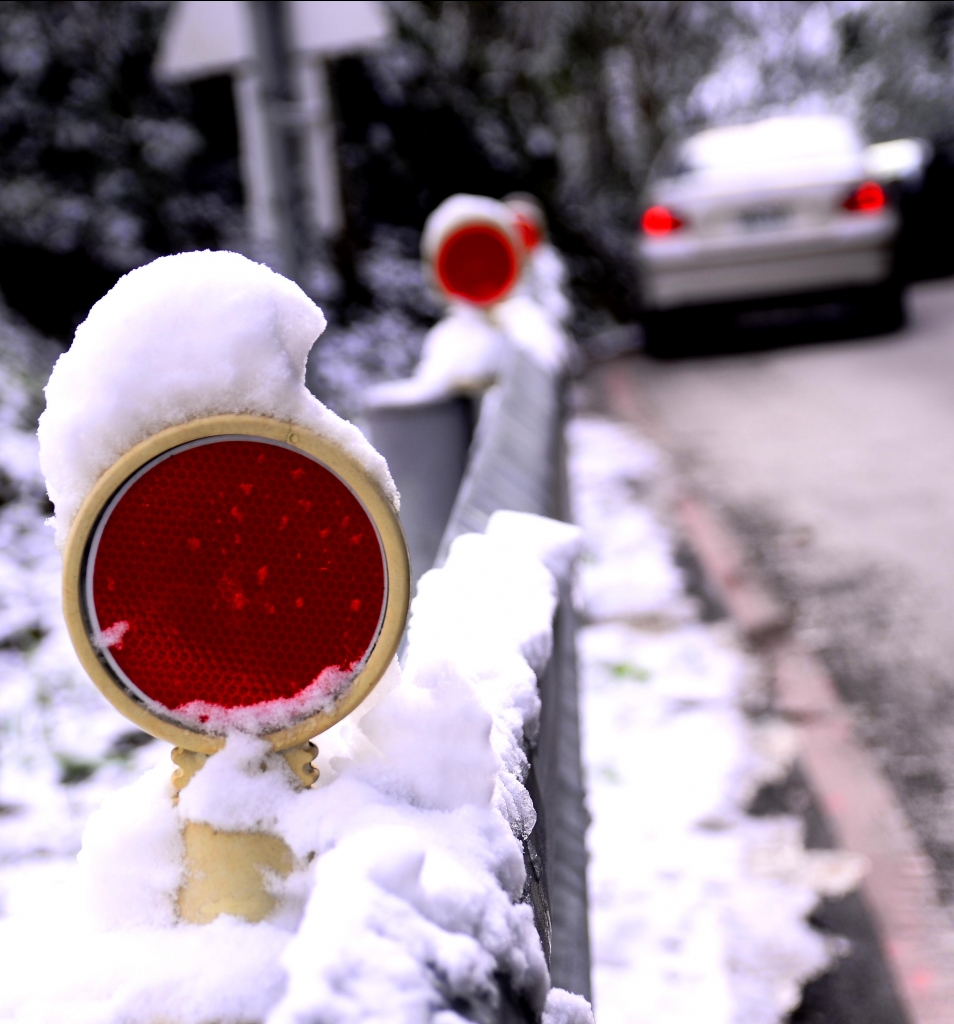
[{"x": 687, "y": 271}]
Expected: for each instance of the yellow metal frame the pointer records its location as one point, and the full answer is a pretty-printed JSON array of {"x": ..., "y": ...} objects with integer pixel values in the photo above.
[{"x": 356, "y": 477}]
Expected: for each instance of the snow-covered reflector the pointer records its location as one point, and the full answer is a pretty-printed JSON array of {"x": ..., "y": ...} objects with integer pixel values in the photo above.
[
  {"x": 505, "y": 289},
  {"x": 474, "y": 249},
  {"x": 530, "y": 218},
  {"x": 229, "y": 571}
]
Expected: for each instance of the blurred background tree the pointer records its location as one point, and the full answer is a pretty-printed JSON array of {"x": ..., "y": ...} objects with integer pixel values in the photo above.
[
  {"x": 101, "y": 169},
  {"x": 898, "y": 60},
  {"x": 569, "y": 101}
]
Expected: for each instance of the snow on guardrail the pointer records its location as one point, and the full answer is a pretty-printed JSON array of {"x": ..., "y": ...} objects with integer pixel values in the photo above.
[
  {"x": 503, "y": 288},
  {"x": 403, "y": 901}
]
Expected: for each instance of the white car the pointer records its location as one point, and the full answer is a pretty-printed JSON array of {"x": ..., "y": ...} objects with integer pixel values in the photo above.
[{"x": 787, "y": 211}]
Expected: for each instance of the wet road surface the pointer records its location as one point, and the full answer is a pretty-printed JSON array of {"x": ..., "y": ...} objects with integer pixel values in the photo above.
[{"x": 836, "y": 463}]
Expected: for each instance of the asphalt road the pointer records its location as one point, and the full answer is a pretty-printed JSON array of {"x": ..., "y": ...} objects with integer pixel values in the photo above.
[{"x": 836, "y": 462}]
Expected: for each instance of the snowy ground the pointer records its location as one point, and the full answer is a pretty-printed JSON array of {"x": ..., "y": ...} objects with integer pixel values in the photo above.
[
  {"x": 62, "y": 747},
  {"x": 697, "y": 909}
]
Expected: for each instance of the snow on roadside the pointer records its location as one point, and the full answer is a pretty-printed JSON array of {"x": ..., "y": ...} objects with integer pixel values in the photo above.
[{"x": 698, "y": 910}]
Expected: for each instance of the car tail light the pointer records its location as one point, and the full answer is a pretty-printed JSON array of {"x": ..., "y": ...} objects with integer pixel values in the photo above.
[
  {"x": 657, "y": 220},
  {"x": 868, "y": 197}
]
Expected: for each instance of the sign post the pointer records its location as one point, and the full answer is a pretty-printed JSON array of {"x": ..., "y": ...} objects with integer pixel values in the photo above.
[
  {"x": 278, "y": 107},
  {"x": 235, "y": 573}
]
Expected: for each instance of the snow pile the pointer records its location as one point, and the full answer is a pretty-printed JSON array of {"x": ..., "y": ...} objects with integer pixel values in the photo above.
[
  {"x": 186, "y": 336},
  {"x": 545, "y": 278},
  {"x": 698, "y": 910},
  {"x": 463, "y": 354},
  {"x": 466, "y": 351},
  {"x": 63, "y": 747},
  {"x": 529, "y": 325},
  {"x": 628, "y": 571},
  {"x": 404, "y": 902}
]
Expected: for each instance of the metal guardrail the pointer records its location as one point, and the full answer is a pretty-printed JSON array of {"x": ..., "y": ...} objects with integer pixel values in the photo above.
[
  {"x": 426, "y": 447},
  {"x": 514, "y": 461}
]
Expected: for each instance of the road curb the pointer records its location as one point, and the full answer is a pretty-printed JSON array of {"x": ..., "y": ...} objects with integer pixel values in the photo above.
[{"x": 855, "y": 797}]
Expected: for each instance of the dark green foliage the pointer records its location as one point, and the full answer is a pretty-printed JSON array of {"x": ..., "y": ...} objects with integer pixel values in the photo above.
[
  {"x": 100, "y": 168},
  {"x": 74, "y": 770},
  {"x": 898, "y": 60}
]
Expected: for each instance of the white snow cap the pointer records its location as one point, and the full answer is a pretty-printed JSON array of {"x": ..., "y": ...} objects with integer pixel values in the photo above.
[
  {"x": 186, "y": 336},
  {"x": 461, "y": 209}
]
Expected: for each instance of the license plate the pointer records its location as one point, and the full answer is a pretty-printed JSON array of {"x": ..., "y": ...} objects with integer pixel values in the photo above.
[{"x": 762, "y": 218}]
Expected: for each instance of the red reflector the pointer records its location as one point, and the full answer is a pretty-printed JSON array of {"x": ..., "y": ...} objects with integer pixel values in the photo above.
[
  {"x": 530, "y": 233},
  {"x": 868, "y": 197},
  {"x": 657, "y": 220},
  {"x": 477, "y": 263},
  {"x": 235, "y": 572}
]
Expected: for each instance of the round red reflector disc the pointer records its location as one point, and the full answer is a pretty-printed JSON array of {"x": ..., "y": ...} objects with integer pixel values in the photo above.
[
  {"x": 235, "y": 581},
  {"x": 530, "y": 233},
  {"x": 477, "y": 263},
  {"x": 658, "y": 220}
]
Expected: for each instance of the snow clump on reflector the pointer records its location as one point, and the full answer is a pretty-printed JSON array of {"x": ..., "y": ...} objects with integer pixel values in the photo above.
[{"x": 186, "y": 336}]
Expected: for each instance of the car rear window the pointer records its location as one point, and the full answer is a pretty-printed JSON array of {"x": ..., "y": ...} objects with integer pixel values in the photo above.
[{"x": 780, "y": 142}]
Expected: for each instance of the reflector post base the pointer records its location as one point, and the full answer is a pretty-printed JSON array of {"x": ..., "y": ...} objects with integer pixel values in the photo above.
[
  {"x": 299, "y": 760},
  {"x": 187, "y": 763},
  {"x": 229, "y": 872}
]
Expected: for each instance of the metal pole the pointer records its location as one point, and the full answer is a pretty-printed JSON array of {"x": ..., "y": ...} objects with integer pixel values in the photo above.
[
  {"x": 269, "y": 21},
  {"x": 323, "y": 182}
]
